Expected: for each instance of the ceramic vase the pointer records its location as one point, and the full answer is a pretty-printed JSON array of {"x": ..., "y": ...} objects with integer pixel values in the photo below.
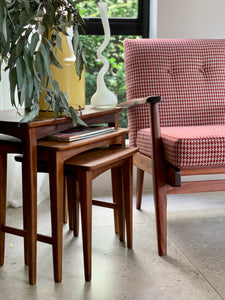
[
  {"x": 67, "y": 78},
  {"x": 103, "y": 98}
]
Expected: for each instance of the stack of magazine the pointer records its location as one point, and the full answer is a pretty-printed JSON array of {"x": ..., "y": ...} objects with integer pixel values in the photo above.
[{"x": 78, "y": 133}]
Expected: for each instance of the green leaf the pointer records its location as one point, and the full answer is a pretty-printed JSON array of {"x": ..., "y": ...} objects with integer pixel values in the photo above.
[
  {"x": 58, "y": 42},
  {"x": 55, "y": 85},
  {"x": 27, "y": 5},
  {"x": 64, "y": 99},
  {"x": 19, "y": 72},
  {"x": 27, "y": 64},
  {"x": 30, "y": 116},
  {"x": 54, "y": 61},
  {"x": 29, "y": 91},
  {"x": 23, "y": 90},
  {"x": 45, "y": 55},
  {"x": 4, "y": 28},
  {"x": 30, "y": 87},
  {"x": 41, "y": 29},
  {"x": 34, "y": 42},
  {"x": 75, "y": 118},
  {"x": 57, "y": 105},
  {"x": 37, "y": 87},
  {"x": 34, "y": 70},
  {"x": 75, "y": 40},
  {"x": 22, "y": 18},
  {"x": 40, "y": 67},
  {"x": 19, "y": 47},
  {"x": 79, "y": 66},
  {"x": 13, "y": 82}
]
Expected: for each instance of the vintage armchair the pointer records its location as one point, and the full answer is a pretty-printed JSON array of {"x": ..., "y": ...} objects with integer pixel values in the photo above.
[{"x": 176, "y": 116}]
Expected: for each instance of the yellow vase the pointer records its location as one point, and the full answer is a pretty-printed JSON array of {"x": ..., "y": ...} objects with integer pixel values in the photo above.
[{"x": 67, "y": 78}]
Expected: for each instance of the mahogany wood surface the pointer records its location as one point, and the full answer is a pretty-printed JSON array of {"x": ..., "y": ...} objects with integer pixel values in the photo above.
[
  {"x": 202, "y": 171},
  {"x": 140, "y": 101},
  {"x": 56, "y": 153},
  {"x": 143, "y": 162},
  {"x": 198, "y": 187},
  {"x": 167, "y": 179},
  {"x": 159, "y": 181},
  {"x": 116, "y": 175},
  {"x": 139, "y": 187},
  {"x": 29, "y": 133},
  {"x": 87, "y": 166}
]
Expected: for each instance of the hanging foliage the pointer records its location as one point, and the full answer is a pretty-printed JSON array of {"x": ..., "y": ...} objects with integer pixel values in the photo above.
[{"x": 29, "y": 40}]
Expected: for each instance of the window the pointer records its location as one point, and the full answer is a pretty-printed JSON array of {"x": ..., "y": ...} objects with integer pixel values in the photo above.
[{"x": 127, "y": 18}]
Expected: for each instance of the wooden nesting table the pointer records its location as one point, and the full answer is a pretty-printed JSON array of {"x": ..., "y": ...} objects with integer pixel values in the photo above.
[{"x": 55, "y": 153}]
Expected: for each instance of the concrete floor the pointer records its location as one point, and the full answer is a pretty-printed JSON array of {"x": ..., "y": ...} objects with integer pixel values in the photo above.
[{"x": 193, "y": 269}]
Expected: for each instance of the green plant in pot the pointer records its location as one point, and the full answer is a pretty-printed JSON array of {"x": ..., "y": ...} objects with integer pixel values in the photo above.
[{"x": 30, "y": 37}]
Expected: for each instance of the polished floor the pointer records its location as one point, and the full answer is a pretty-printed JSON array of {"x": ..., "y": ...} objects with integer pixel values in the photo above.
[{"x": 193, "y": 269}]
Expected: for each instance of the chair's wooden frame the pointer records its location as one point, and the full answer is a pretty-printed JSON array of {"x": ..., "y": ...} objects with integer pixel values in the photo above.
[{"x": 166, "y": 178}]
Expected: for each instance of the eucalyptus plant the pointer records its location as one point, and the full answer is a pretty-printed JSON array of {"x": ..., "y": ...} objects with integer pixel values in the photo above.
[{"x": 30, "y": 36}]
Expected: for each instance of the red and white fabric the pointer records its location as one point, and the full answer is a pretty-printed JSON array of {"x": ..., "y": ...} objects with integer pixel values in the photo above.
[
  {"x": 189, "y": 75},
  {"x": 189, "y": 146}
]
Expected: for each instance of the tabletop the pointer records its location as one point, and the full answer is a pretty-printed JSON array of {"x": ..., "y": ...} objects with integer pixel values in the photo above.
[{"x": 46, "y": 123}]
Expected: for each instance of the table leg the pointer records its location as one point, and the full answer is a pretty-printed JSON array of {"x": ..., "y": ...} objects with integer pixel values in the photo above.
[
  {"x": 56, "y": 177},
  {"x": 85, "y": 187},
  {"x": 117, "y": 191},
  {"x": 25, "y": 216},
  {"x": 128, "y": 199},
  {"x": 3, "y": 184},
  {"x": 73, "y": 204},
  {"x": 65, "y": 202},
  {"x": 30, "y": 196}
]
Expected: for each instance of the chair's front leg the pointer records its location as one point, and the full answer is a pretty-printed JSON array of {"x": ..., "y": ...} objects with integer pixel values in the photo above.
[{"x": 159, "y": 181}]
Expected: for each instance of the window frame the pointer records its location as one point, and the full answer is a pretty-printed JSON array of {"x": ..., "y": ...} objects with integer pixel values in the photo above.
[{"x": 123, "y": 26}]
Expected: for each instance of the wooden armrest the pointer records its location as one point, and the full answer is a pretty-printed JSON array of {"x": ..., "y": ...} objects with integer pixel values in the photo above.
[{"x": 140, "y": 101}]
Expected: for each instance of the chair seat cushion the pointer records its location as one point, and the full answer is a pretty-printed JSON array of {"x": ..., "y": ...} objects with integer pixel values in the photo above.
[{"x": 188, "y": 146}]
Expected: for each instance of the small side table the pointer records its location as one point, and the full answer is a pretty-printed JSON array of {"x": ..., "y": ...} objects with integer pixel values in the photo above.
[{"x": 29, "y": 133}]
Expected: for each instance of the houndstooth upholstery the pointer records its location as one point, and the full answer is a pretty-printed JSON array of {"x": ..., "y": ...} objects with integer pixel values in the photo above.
[
  {"x": 189, "y": 75},
  {"x": 188, "y": 146}
]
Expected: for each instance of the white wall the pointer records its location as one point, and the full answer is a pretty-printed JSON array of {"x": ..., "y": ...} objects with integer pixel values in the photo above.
[
  {"x": 153, "y": 19},
  {"x": 5, "y": 102},
  {"x": 191, "y": 19}
]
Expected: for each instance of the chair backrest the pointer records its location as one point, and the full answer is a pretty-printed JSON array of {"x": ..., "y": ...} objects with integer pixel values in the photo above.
[{"x": 188, "y": 74}]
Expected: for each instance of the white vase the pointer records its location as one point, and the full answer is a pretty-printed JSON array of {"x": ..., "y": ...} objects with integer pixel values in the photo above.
[{"x": 103, "y": 98}]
